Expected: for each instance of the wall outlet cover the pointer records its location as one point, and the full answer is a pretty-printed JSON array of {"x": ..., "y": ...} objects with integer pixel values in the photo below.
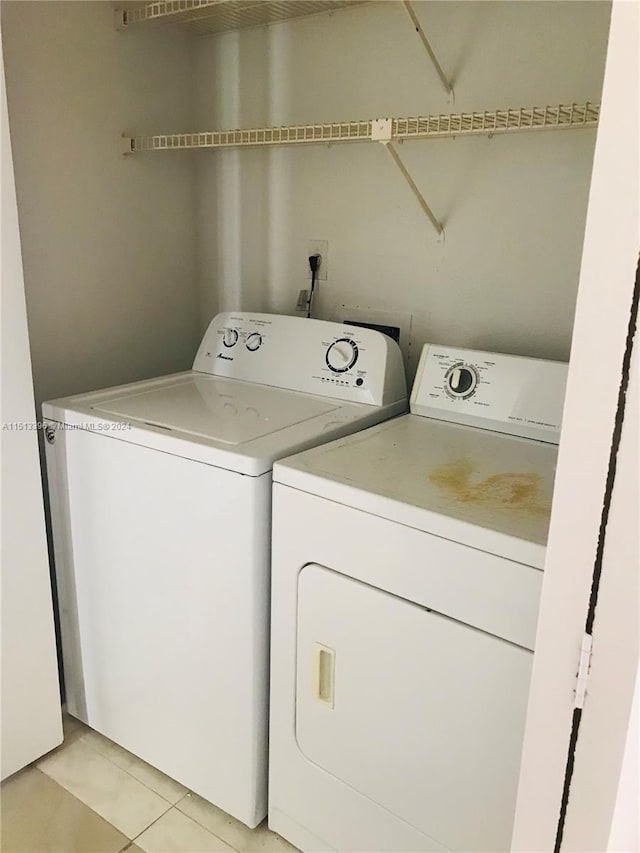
[{"x": 303, "y": 300}]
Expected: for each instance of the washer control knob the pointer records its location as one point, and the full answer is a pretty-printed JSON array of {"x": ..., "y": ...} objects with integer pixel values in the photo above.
[
  {"x": 254, "y": 341},
  {"x": 342, "y": 355},
  {"x": 461, "y": 381},
  {"x": 230, "y": 337}
]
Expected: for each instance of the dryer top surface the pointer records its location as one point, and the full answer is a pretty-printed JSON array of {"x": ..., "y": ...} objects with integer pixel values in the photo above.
[{"x": 471, "y": 485}]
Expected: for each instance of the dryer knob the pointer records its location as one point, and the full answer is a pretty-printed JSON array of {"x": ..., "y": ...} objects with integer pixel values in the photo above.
[{"x": 461, "y": 381}]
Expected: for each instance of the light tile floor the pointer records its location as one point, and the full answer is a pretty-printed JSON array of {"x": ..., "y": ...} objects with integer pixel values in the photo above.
[{"x": 91, "y": 796}]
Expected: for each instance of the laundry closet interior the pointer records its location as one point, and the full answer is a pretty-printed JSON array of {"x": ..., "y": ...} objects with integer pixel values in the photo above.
[
  {"x": 181, "y": 159},
  {"x": 152, "y": 244}
]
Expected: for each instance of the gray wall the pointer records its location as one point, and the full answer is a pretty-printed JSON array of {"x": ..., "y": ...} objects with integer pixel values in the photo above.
[
  {"x": 514, "y": 208},
  {"x": 108, "y": 242},
  {"x": 127, "y": 259}
]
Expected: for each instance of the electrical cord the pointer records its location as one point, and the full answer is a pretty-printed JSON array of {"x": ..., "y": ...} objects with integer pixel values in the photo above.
[{"x": 314, "y": 263}]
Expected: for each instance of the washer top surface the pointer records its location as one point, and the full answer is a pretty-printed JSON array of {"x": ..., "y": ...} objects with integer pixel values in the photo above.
[
  {"x": 263, "y": 386},
  {"x": 223, "y": 410},
  {"x": 229, "y": 423}
]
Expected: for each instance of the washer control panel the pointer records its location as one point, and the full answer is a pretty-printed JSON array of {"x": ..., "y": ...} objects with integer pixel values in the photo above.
[
  {"x": 330, "y": 359},
  {"x": 505, "y": 393}
]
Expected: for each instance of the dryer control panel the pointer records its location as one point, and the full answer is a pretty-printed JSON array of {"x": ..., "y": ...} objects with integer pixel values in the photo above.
[
  {"x": 320, "y": 357},
  {"x": 506, "y": 393}
]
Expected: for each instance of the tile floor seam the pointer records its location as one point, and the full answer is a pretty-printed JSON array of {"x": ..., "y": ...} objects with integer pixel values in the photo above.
[
  {"x": 153, "y": 822},
  {"x": 183, "y": 797},
  {"x": 132, "y": 775},
  {"x": 118, "y": 767},
  {"x": 131, "y": 843},
  {"x": 71, "y": 794},
  {"x": 170, "y": 805},
  {"x": 195, "y": 820}
]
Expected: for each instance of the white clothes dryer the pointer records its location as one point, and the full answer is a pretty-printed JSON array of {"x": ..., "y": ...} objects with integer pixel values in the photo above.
[
  {"x": 406, "y": 573},
  {"x": 161, "y": 507}
]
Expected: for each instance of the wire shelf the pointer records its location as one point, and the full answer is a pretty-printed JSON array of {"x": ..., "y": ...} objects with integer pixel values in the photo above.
[
  {"x": 422, "y": 127},
  {"x": 498, "y": 121},
  {"x": 339, "y": 132},
  {"x": 208, "y": 17}
]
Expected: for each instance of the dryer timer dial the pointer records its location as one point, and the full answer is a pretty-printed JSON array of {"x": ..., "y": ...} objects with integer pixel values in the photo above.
[{"x": 460, "y": 381}]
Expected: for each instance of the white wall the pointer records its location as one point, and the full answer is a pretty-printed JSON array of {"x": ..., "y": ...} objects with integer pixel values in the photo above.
[
  {"x": 31, "y": 720},
  {"x": 513, "y": 207},
  {"x": 127, "y": 259},
  {"x": 108, "y": 241}
]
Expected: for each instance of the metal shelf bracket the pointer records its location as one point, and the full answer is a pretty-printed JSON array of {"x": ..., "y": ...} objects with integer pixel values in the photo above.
[
  {"x": 127, "y": 145},
  {"x": 425, "y": 41},
  {"x": 120, "y": 20},
  {"x": 382, "y": 131}
]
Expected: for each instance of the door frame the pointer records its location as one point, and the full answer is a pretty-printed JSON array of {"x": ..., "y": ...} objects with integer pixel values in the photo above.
[{"x": 555, "y": 761}]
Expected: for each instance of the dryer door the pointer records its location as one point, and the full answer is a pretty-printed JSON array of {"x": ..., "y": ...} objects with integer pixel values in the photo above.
[{"x": 422, "y": 714}]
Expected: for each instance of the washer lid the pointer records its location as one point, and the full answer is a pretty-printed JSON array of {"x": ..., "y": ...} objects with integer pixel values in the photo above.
[
  {"x": 480, "y": 488},
  {"x": 228, "y": 423},
  {"x": 227, "y": 411}
]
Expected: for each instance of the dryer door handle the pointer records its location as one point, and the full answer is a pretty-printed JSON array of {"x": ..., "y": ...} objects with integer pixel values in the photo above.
[{"x": 323, "y": 674}]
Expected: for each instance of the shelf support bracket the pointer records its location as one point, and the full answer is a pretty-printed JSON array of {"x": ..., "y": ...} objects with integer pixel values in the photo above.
[
  {"x": 120, "y": 20},
  {"x": 381, "y": 131},
  {"x": 425, "y": 41},
  {"x": 126, "y": 144}
]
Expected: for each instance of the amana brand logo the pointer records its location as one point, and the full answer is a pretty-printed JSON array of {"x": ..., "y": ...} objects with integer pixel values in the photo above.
[{"x": 226, "y": 357}]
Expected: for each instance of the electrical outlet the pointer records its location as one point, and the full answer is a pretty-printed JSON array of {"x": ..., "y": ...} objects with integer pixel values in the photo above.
[{"x": 318, "y": 247}]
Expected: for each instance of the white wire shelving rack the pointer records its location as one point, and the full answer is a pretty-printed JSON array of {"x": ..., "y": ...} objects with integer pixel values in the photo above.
[
  {"x": 563, "y": 116},
  {"x": 210, "y": 17},
  {"x": 386, "y": 131},
  {"x": 218, "y": 16}
]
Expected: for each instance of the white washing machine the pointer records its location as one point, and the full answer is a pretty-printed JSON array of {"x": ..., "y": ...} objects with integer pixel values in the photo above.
[
  {"x": 161, "y": 508},
  {"x": 406, "y": 572}
]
